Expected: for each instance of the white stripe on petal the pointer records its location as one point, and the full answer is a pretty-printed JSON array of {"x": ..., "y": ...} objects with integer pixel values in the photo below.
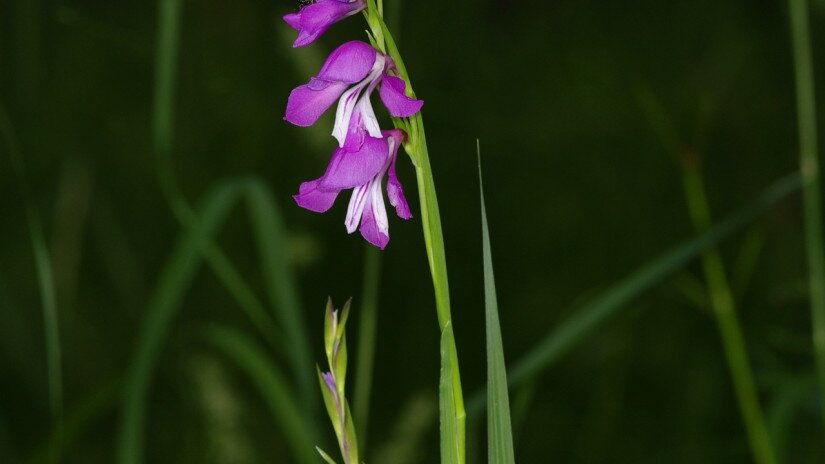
[
  {"x": 356, "y": 207},
  {"x": 346, "y": 104},
  {"x": 379, "y": 211},
  {"x": 368, "y": 116},
  {"x": 343, "y": 113}
]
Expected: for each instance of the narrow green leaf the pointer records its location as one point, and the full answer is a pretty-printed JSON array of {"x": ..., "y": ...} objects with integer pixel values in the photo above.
[
  {"x": 589, "y": 317},
  {"x": 45, "y": 278},
  {"x": 175, "y": 279},
  {"x": 45, "y": 282},
  {"x": 325, "y": 456},
  {"x": 499, "y": 431},
  {"x": 809, "y": 167},
  {"x": 194, "y": 245},
  {"x": 789, "y": 400},
  {"x": 452, "y": 417},
  {"x": 281, "y": 288},
  {"x": 271, "y": 384},
  {"x": 368, "y": 317}
]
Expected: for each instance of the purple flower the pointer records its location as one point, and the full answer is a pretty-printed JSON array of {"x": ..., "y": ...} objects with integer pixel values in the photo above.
[
  {"x": 330, "y": 381},
  {"x": 365, "y": 153},
  {"x": 363, "y": 171},
  {"x": 350, "y": 74},
  {"x": 315, "y": 18}
]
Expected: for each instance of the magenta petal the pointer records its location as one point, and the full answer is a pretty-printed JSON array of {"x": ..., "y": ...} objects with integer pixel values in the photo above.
[
  {"x": 316, "y": 18},
  {"x": 294, "y": 20},
  {"x": 398, "y": 103},
  {"x": 356, "y": 133},
  {"x": 369, "y": 228},
  {"x": 309, "y": 101},
  {"x": 350, "y": 169},
  {"x": 350, "y": 63},
  {"x": 311, "y": 198},
  {"x": 395, "y": 192}
]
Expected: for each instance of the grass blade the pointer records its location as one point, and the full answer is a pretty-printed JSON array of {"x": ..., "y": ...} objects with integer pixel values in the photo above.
[
  {"x": 176, "y": 277},
  {"x": 368, "y": 318},
  {"x": 272, "y": 385},
  {"x": 45, "y": 278},
  {"x": 281, "y": 289},
  {"x": 451, "y": 416},
  {"x": 809, "y": 167},
  {"x": 499, "y": 430},
  {"x": 592, "y": 315},
  {"x": 45, "y": 282},
  {"x": 170, "y": 13},
  {"x": 725, "y": 312}
]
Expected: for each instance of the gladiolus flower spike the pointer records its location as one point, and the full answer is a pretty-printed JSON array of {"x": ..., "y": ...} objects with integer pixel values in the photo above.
[{"x": 365, "y": 153}]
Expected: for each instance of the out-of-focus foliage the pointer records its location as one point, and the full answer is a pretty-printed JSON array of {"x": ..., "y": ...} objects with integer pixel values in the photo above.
[{"x": 581, "y": 107}]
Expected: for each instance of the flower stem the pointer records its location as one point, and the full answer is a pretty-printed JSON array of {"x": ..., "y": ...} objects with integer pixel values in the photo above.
[
  {"x": 416, "y": 147},
  {"x": 724, "y": 309},
  {"x": 809, "y": 167},
  {"x": 434, "y": 240}
]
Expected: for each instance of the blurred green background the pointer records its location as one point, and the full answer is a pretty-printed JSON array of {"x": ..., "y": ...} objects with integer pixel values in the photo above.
[{"x": 585, "y": 111}]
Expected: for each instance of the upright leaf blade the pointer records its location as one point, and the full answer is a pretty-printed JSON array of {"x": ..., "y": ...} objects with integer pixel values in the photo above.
[
  {"x": 281, "y": 288},
  {"x": 499, "y": 430},
  {"x": 452, "y": 416}
]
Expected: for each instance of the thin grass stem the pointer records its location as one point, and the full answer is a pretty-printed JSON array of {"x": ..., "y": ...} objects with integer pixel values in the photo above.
[
  {"x": 809, "y": 167},
  {"x": 368, "y": 318},
  {"x": 725, "y": 312},
  {"x": 45, "y": 280}
]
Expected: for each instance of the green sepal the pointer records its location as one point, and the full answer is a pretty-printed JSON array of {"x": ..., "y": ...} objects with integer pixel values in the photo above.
[
  {"x": 373, "y": 17},
  {"x": 371, "y": 38},
  {"x": 325, "y": 456},
  {"x": 342, "y": 321},
  {"x": 330, "y": 403},
  {"x": 339, "y": 366},
  {"x": 352, "y": 439},
  {"x": 330, "y": 327}
]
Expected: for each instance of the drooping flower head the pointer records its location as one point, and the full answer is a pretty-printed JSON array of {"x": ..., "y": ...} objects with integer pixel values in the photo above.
[
  {"x": 365, "y": 154},
  {"x": 314, "y": 18},
  {"x": 362, "y": 171}
]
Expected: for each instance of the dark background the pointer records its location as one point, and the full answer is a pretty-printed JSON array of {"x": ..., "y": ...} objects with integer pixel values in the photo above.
[{"x": 581, "y": 189}]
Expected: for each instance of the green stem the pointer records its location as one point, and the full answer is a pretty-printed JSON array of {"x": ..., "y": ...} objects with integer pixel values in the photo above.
[
  {"x": 434, "y": 239},
  {"x": 809, "y": 167},
  {"x": 727, "y": 321},
  {"x": 416, "y": 147}
]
